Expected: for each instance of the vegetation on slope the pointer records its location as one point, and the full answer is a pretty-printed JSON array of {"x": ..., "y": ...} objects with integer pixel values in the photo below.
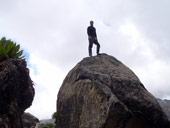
[{"x": 9, "y": 49}]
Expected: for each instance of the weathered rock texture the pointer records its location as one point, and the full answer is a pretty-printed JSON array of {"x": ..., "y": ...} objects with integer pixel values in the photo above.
[
  {"x": 29, "y": 121},
  {"x": 16, "y": 92},
  {"x": 101, "y": 92}
]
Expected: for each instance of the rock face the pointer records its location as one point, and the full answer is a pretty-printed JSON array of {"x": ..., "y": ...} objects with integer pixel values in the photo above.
[
  {"x": 16, "y": 92},
  {"x": 101, "y": 92},
  {"x": 29, "y": 121}
]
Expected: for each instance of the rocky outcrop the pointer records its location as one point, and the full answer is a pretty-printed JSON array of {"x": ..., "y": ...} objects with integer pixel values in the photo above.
[
  {"x": 16, "y": 92},
  {"x": 29, "y": 121},
  {"x": 165, "y": 104},
  {"x": 101, "y": 92}
]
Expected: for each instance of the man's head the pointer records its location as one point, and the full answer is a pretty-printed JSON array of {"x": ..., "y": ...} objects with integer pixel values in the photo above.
[{"x": 91, "y": 23}]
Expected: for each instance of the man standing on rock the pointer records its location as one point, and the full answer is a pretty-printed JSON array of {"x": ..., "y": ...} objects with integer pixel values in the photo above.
[{"x": 92, "y": 36}]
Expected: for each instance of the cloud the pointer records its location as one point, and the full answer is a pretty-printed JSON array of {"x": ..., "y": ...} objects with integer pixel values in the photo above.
[
  {"x": 54, "y": 35},
  {"x": 47, "y": 79}
]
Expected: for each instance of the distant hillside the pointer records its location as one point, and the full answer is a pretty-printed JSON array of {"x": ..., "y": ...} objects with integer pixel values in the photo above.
[
  {"x": 165, "y": 104},
  {"x": 47, "y": 121}
]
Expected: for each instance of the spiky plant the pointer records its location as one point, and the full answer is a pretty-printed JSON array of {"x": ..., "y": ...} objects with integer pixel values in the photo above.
[{"x": 9, "y": 49}]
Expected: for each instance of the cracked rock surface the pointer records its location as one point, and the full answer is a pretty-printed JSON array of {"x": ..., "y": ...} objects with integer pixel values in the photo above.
[{"x": 101, "y": 92}]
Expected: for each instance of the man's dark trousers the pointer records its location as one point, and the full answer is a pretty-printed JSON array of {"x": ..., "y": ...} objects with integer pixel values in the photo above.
[{"x": 91, "y": 41}]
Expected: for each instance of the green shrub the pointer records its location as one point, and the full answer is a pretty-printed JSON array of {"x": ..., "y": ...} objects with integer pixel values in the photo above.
[
  {"x": 54, "y": 116},
  {"x": 9, "y": 49}
]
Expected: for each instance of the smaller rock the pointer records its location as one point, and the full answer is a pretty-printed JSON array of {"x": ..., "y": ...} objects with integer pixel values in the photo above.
[{"x": 29, "y": 121}]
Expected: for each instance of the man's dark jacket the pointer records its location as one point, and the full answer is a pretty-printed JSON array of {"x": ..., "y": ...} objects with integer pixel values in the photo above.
[{"x": 91, "y": 31}]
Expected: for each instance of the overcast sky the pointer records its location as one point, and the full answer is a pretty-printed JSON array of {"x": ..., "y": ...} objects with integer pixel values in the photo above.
[{"x": 53, "y": 35}]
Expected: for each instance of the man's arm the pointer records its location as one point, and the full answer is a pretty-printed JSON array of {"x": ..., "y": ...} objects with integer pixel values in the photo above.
[
  {"x": 95, "y": 35},
  {"x": 88, "y": 31}
]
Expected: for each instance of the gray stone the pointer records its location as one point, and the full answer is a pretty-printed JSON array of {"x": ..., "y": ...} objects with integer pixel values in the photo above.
[{"x": 101, "y": 92}]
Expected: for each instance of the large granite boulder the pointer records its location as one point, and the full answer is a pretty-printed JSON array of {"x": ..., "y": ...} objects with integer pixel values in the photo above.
[
  {"x": 16, "y": 92},
  {"x": 101, "y": 92}
]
